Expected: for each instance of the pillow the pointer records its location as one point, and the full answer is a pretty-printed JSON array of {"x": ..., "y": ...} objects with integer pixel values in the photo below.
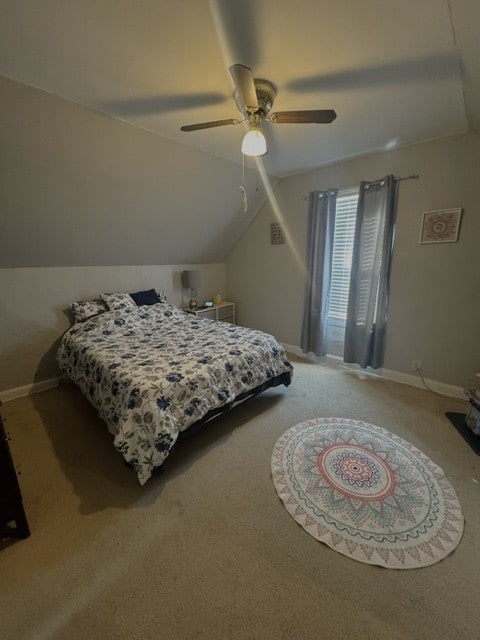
[
  {"x": 117, "y": 301},
  {"x": 83, "y": 310},
  {"x": 145, "y": 297}
]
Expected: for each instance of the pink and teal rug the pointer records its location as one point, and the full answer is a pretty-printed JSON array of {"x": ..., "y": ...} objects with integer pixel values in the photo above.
[{"x": 367, "y": 493}]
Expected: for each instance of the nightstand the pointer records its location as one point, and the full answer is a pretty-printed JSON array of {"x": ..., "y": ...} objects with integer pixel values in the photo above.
[
  {"x": 13, "y": 522},
  {"x": 223, "y": 312}
]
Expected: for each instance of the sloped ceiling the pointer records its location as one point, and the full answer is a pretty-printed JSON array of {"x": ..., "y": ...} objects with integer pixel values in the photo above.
[
  {"x": 395, "y": 72},
  {"x": 78, "y": 188}
]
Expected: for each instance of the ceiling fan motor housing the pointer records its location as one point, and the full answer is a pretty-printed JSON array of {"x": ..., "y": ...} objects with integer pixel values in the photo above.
[{"x": 266, "y": 93}]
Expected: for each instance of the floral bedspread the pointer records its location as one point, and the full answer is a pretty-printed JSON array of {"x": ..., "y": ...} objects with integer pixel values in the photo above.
[{"x": 153, "y": 371}]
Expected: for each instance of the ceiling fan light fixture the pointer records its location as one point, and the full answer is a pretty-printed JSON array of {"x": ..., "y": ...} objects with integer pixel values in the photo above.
[{"x": 254, "y": 142}]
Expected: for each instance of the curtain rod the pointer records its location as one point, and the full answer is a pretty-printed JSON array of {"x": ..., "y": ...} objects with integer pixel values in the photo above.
[{"x": 413, "y": 176}]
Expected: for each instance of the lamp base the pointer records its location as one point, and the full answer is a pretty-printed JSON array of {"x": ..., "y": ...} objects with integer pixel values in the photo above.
[{"x": 193, "y": 304}]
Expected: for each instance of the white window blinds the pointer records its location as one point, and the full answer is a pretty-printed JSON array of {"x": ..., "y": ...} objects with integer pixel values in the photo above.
[{"x": 345, "y": 216}]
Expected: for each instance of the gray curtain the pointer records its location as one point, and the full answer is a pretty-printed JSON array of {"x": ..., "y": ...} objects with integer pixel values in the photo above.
[
  {"x": 321, "y": 226},
  {"x": 365, "y": 328}
]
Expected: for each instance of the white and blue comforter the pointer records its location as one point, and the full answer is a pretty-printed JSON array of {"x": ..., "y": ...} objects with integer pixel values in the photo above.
[{"x": 153, "y": 371}]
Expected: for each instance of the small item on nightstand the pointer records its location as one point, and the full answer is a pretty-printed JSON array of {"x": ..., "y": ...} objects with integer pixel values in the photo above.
[
  {"x": 218, "y": 299},
  {"x": 207, "y": 304}
]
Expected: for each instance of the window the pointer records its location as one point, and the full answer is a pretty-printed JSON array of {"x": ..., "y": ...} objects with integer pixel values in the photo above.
[
  {"x": 345, "y": 216},
  {"x": 350, "y": 241}
]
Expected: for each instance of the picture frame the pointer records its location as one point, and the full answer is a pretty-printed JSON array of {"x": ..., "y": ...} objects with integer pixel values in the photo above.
[{"x": 440, "y": 226}]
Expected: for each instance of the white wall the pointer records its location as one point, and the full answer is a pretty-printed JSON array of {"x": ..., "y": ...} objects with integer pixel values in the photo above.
[
  {"x": 434, "y": 313},
  {"x": 34, "y": 308}
]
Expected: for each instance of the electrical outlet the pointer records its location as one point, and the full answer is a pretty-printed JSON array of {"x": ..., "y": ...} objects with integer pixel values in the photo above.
[{"x": 416, "y": 365}]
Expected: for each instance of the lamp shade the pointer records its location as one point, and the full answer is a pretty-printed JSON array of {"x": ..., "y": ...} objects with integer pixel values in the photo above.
[
  {"x": 190, "y": 279},
  {"x": 254, "y": 143}
]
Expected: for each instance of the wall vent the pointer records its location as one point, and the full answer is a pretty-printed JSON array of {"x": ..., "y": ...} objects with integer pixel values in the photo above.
[{"x": 276, "y": 234}]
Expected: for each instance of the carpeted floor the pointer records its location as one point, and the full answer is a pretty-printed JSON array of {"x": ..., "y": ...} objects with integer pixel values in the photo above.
[{"x": 208, "y": 550}]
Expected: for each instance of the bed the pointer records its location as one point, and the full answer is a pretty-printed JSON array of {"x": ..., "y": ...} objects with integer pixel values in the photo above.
[{"x": 153, "y": 372}]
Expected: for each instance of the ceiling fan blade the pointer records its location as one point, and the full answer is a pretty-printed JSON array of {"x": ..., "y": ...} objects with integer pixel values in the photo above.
[
  {"x": 209, "y": 125},
  {"x": 243, "y": 79},
  {"x": 320, "y": 116}
]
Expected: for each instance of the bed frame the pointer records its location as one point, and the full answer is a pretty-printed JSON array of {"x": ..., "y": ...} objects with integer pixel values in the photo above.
[{"x": 283, "y": 378}]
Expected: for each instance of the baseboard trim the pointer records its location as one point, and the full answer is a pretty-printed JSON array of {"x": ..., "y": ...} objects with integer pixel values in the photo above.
[
  {"x": 413, "y": 380},
  {"x": 27, "y": 389},
  {"x": 444, "y": 389}
]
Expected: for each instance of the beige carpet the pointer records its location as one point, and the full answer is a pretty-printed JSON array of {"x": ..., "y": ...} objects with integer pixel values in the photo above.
[{"x": 208, "y": 550}]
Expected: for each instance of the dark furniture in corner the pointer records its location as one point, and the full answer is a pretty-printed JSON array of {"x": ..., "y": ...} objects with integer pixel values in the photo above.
[
  {"x": 458, "y": 421},
  {"x": 13, "y": 521}
]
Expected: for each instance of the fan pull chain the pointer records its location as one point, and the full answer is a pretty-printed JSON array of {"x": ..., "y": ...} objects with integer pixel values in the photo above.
[{"x": 242, "y": 187}]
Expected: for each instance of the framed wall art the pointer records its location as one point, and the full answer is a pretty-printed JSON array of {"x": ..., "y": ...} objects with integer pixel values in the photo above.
[{"x": 440, "y": 226}]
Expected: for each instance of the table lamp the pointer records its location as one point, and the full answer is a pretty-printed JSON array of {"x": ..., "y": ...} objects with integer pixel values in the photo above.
[{"x": 191, "y": 280}]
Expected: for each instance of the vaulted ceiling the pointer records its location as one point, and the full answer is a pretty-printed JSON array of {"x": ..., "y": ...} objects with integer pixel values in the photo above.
[{"x": 395, "y": 72}]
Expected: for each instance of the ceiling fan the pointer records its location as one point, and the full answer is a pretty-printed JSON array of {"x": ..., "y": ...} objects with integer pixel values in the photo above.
[{"x": 254, "y": 98}]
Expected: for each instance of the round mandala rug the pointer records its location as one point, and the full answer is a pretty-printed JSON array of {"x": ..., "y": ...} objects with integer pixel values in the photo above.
[{"x": 367, "y": 493}]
